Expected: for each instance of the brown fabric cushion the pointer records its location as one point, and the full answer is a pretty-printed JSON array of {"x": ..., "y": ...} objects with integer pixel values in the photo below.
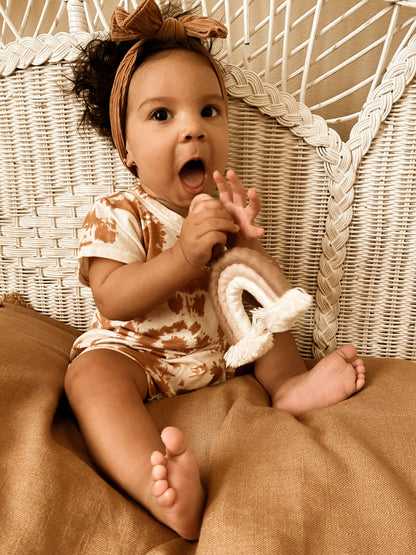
[{"x": 338, "y": 480}]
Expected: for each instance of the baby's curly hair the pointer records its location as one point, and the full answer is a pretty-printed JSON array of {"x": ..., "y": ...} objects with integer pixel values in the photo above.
[{"x": 95, "y": 68}]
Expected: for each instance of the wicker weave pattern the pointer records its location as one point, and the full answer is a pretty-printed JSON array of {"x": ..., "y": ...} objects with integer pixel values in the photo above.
[
  {"x": 49, "y": 178},
  {"x": 381, "y": 254},
  {"x": 294, "y": 201},
  {"x": 46, "y": 198},
  {"x": 50, "y": 175}
]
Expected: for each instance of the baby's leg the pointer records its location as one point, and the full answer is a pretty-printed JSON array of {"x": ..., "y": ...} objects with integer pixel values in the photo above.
[
  {"x": 297, "y": 390},
  {"x": 106, "y": 391}
]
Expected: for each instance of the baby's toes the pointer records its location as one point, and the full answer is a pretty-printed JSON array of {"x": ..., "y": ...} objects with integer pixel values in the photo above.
[
  {"x": 159, "y": 472},
  {"x": 157, "y": 458},
  {"x": 359, "y": 365},
  {"x": 167, "y": 498},
  {"x": 360, "y": 381},
  {"x": 360, "y": 373},
  {"x": 159, "y": 487}
]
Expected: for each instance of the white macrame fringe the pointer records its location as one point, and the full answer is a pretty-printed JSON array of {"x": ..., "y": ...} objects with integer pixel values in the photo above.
[
  {"x": 255, "y": 344},
  {"x": 278, "y": 317},
  {"x": 281, "y": 315}
]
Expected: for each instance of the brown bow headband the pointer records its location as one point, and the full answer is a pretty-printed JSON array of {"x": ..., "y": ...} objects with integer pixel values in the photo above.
[{"x": 147, "y": 22}]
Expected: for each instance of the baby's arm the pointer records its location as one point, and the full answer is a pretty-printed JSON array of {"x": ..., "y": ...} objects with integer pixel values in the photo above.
[
  {"x": 128, "y": 291},
  {"x": 234, "y": 199}
]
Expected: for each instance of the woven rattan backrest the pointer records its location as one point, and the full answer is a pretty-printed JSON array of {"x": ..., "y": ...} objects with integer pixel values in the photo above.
[
  {"x": 293, "y": 185},
  {"x": 319, "y": 219},
  {"x": 305, "y": 177},
  {"x": 378, "y": 303},
  {"x": 50, "y": 174}
]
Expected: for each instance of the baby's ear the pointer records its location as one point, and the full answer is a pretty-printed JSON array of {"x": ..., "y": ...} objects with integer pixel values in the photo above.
[{"x": 128, "y": 160}]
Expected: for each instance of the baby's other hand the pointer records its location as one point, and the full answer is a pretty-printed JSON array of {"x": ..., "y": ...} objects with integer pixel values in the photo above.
[
  {"x": 206, "y": 226},
  {"x": 233, "y": 197}
]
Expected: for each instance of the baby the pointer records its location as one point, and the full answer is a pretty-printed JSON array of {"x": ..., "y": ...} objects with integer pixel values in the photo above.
[{"x": 157, "y": 90}]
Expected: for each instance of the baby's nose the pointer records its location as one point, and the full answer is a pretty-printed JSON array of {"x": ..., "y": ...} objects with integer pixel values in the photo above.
[
  {"x": 193, "y": 129},
  {"x": 190, "y": 136}
]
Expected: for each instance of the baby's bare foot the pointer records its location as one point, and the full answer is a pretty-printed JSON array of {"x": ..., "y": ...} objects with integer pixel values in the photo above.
[
  {"x": 333, "y": 379},
  {"x": 177, "y": 486}
]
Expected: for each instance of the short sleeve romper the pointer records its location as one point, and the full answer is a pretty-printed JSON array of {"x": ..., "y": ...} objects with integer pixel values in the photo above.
[{"x": 179, "y": 344}]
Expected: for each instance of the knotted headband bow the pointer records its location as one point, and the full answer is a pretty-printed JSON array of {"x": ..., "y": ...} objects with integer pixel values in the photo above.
[{"x": 147, "y": 22}]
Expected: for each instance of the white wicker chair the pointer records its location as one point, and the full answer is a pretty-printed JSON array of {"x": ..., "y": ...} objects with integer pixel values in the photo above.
[
  {"x": 340, "y": 217},
  {"x": 313, "y": 199}
]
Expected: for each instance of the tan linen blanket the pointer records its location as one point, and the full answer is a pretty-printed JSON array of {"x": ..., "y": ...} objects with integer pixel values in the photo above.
[{"x": 336, "y": 481}]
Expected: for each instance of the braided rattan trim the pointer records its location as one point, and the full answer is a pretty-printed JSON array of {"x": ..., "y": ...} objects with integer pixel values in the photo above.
[
  {"x": 336, "y": 156},
  {"x": 37, "y": 51},
  {"x": 378, "y": 106}
]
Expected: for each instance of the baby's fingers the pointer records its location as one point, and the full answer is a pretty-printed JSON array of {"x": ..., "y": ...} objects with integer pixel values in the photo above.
[
  {"x": 232, "y": 193},
  {"x": 224, "y": 190},
  {"x": 217, "y": 224},
  {"x": 254, "y": 204},
  {"x": 239, "y": 193}
]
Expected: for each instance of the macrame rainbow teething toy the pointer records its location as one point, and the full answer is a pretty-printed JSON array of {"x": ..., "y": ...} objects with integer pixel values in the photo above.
[{"x": 242, "y": 269}]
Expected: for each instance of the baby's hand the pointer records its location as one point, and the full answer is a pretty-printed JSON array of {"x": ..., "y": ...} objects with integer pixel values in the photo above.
[
  {"x": 205, "y": 227},
  {"x": 234, "y": 200}
]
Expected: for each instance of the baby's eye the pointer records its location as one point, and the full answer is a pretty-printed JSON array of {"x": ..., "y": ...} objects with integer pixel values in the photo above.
[
  {"x": 160, "y": 115},
  {"x": 209, "y": 112}
]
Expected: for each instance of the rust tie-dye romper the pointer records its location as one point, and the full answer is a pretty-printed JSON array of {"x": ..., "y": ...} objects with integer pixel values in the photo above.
[{"x": 179, "y": 344}]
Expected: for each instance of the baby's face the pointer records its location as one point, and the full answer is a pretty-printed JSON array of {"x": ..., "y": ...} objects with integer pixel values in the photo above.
[{"x": 176, "y": 127}]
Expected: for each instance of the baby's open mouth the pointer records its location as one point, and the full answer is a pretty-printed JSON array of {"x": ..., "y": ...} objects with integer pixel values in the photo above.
[{"x": 193, "y": 174}]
